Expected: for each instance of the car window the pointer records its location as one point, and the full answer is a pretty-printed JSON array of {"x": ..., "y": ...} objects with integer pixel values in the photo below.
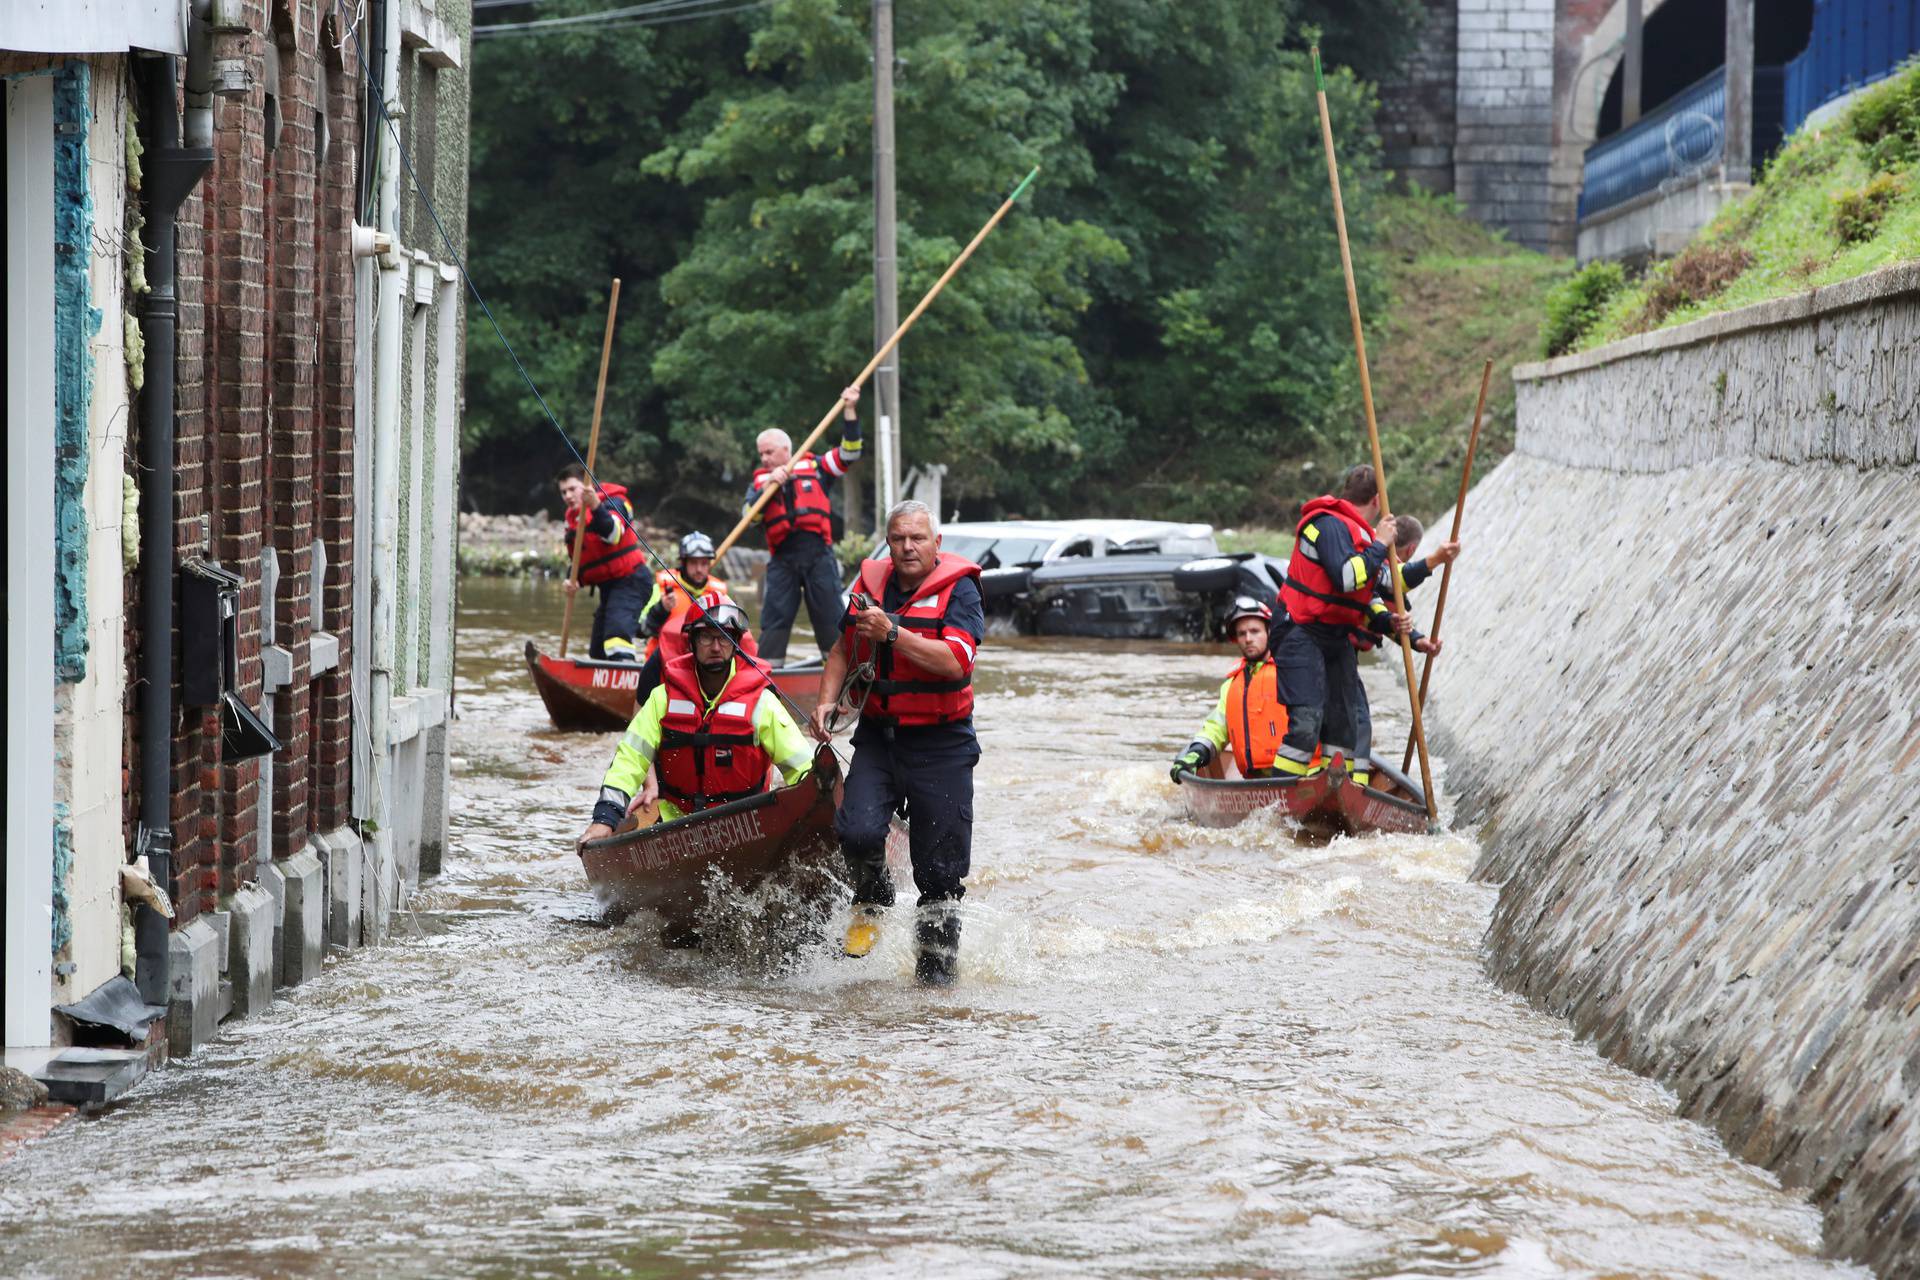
[{"x": 1078, "y": 547}]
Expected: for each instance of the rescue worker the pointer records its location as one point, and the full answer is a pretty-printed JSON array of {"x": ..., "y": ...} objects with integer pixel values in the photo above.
[
  {"x": 665, "y": 614},
  {"x": 798, "y": 520},
  {"x": 707, "y": 735},
  {"x": 917, "y": 617},
  {"x": 1250, "y": 716},
  {"x": 612, "y": 562},
  {"x": 1338, "y": 558}
]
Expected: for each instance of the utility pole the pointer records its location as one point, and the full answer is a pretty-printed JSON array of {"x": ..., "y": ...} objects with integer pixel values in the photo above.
[
  {"x": 1630, "y": 71},
  {"x": 1737, "y": 147},
  {"x": 886, "y": 281}
]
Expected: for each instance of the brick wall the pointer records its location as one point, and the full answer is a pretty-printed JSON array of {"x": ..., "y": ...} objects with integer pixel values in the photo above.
[
  {"x": 1504, "y": 144},
  {"x": 265, "y": 439}
]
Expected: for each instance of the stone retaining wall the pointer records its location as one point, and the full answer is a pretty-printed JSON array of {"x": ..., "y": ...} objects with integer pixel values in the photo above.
[{"x": 1681, "y": 695}]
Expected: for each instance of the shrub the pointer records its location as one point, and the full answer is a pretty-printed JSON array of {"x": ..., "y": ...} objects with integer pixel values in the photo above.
[
  {"x": 1885, "y": 119},
  {"x": 1857, "y": 213},
  {"x": 1696, "y": 275},
  {"x": 1575, "y": 304}
]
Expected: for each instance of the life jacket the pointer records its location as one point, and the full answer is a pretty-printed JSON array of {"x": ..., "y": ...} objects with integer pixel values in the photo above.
[
  {"x": 603, "y": 561},
  {"x": 706, "y": 759},
  {"x": 1256, "y": 717},
  {"x": 677, "y": 611},
  {"x": 800, "y": 503},
  {"x": 1311, "y": 593},
  {"x": 903, "y": 692}
]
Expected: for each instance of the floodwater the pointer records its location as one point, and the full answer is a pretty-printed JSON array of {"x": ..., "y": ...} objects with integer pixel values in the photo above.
[{"x": 1172, "y": 1052}]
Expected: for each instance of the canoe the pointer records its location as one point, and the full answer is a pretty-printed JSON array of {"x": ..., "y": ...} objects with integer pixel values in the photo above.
[
  {"x": 1328, "y": 801},
  {"x": 584, "y": 695},
  {"x": 665, "y": 868}
]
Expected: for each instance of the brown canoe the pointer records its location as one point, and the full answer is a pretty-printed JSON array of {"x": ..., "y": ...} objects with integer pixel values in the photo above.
[
  {"x": 1328, "y": 801},
  {"x": 664, "y": 869},
  {"x": 584, "y": 695}
]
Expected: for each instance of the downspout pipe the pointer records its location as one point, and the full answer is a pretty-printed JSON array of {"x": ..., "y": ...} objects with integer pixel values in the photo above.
[
  {"x": 171, "y": 172},
  {"x": 387, "y": 409}
]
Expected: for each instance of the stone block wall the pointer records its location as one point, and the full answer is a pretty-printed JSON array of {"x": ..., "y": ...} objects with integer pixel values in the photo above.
[
  {"x": 1693, "y": 749},
  {"x": 1504, "y": 123},
  {"x": 1417, "y": 108}
]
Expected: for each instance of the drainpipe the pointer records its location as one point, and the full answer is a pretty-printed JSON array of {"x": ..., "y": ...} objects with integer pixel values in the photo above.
[
  {"x": 171, "y": 172},
  {"x": 386, "y": 421}
]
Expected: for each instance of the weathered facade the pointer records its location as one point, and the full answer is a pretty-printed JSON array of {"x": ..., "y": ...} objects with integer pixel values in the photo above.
[{"x": 253, "y": 511}]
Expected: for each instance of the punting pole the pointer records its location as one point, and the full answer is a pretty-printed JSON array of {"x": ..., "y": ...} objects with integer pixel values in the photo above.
[
  {"x": 1373, "y": 429},
  {"x": 881, "y": 354},
  {"x": 1446, "y": 574},
  {"x": 593, "y": 448}
]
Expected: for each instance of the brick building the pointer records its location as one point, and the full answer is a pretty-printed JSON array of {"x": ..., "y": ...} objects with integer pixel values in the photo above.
[{"x": 253, "y": 371}]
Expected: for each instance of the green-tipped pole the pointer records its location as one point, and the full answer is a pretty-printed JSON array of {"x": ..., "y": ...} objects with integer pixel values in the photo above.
[
  {"x": 1373, "y": 429},
  {"x": 881, "y": 355}
]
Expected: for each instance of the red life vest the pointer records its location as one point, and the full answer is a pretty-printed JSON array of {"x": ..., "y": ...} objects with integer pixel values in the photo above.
[
  {"x": 903, "y": 692},
  {"x": 708, "y": 758},
  {"x": 1311, "y": 593},
  {"x": 677, "y": 611},
  {"x": 801, "y": 503},
  {"x": 603, "y": 561}
]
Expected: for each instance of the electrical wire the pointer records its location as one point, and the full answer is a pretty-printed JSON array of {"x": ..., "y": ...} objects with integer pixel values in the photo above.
[
  {"x": 612, "y": 20},
  {"x": 459, "y": 261}
]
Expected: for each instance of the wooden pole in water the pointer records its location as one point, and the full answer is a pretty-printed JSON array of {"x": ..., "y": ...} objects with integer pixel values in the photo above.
[
  {"x": 1446, "y": 574},
  {"x": 1373, "y": 429},
  {"x": 593, "y": 451},
  {"x": 881, "y": 355}
]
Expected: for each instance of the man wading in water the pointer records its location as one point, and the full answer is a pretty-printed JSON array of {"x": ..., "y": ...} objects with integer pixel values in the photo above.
[{"x": 917, "y": 618}]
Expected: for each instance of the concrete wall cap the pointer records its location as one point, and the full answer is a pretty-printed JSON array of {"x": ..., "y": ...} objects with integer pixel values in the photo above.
[{"x": 1875, "y": 286}]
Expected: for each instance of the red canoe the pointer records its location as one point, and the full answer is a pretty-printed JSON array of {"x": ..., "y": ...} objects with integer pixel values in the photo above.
[
  {"x": 665, "y": 868},
  {"x": 1326, "y": 801},
  {"x": 587, "y": 696}
]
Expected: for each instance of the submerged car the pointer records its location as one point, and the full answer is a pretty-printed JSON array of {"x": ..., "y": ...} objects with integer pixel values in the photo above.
[{"x": 1116, "y": 579}]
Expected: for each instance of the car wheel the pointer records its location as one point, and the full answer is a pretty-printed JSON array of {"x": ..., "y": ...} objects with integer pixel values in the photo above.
[{"x": 1216, "y": 573}]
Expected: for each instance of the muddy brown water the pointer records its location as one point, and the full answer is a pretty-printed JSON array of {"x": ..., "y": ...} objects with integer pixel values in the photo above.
[{"x": 1172, "y": 1052}]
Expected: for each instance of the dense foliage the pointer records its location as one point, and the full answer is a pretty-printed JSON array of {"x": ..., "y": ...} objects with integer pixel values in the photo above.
[{"x": 1160, "y": 326}]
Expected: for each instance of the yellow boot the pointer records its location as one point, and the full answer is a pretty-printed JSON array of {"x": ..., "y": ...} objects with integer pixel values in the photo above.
[{"x": 863, "y": 931}]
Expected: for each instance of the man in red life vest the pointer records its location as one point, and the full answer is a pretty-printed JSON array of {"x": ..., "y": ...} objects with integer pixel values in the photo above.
[
  {"x": 612, "y": 562},
  {"x": 1250, "y": 719},
  {"x": 664, "y": 618},
  {"x": 798, "y": 520},
  {"x": 1338, "y": 560},
  {"x": 917, "y": 617},
  {"x": 707, "y": 735}
]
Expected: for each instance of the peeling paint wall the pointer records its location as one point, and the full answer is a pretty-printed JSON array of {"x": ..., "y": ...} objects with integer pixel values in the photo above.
[{"x": 75, "y": 321}]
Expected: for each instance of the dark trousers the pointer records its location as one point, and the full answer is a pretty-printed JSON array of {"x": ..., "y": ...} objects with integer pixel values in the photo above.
[
  {"x": 652, "y": 672},
  {"x": 938, "y": 789},
  {"x": 618, "y": 615},
  {"x": 813, "y": 573},
  {"x": 1319, "y": 675}
]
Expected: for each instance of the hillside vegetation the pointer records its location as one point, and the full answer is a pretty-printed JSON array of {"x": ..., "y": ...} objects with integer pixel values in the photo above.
[{"x": 1835, "y": 202}]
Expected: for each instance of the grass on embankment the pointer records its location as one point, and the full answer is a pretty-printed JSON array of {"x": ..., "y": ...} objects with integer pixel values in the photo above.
[
  {"x": 1835, "y": 202},
  {"x": 1461, "y": 295}
]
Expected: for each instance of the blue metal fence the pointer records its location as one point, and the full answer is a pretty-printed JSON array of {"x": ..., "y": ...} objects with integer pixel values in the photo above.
[
  {"x": 1682, "y": 135},
  {"x": 1854, "y": 42}
]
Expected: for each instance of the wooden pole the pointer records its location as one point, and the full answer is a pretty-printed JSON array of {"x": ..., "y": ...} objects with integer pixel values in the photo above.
[
  {"x": 593, "y": 451},
  {"x": 1373, "y": 429},
  {"x": 1446, "y": 574},
  {"x": 881, "y": 354}
]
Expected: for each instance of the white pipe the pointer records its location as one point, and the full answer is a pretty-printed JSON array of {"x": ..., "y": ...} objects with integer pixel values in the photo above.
[
  {"x": 197, "y": 122},
  {"x": 388, "y": 324}
]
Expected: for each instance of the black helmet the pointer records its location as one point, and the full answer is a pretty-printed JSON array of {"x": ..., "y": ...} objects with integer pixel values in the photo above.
[
  {"x": 696, "y": 546},
  {"x": 723, "y": 615}
]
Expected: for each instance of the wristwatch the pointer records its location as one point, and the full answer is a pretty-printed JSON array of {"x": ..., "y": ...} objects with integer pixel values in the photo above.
[{"x": 893, "y": 632}]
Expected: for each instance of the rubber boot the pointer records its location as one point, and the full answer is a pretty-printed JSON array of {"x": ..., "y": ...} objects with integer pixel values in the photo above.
[
  {"x": 936, "y": 936},
  {"x": 863, "y": 930}
]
